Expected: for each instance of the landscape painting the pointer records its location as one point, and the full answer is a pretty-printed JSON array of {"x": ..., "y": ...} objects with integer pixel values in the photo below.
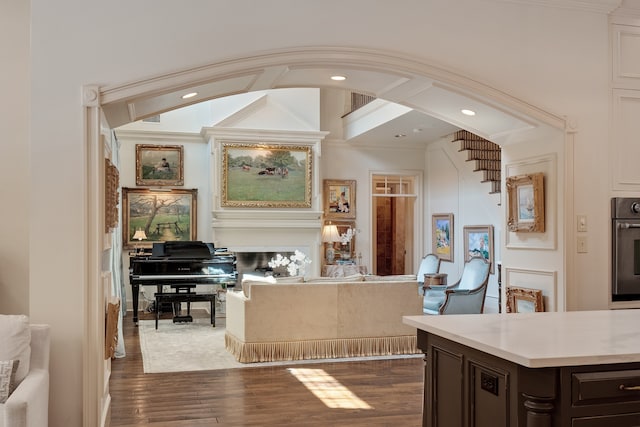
[
  {"x": 442, "y": 242},
  {"x": 159, "y": 165},
  {"x": 266, "y": 175},
  {"x": 162, "y": 215}
]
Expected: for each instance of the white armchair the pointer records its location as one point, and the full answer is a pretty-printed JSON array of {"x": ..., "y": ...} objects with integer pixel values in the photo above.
[{"x": 28, "y": 405}]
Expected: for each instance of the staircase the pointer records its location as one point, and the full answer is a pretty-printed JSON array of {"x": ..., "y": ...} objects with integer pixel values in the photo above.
[{"x": 485, "y": 154}]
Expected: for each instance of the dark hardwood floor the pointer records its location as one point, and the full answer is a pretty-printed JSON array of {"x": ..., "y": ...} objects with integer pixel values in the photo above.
[{"x": 267, "y": 396}]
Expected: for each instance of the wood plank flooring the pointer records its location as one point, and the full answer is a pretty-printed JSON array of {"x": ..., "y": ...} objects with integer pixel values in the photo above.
[{"x": 267, "y": 396}]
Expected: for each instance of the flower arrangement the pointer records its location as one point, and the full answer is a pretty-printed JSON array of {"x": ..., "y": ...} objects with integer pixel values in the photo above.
[
  {"x": 295, "y": 264},
  {"x": 345, "y": 238}
]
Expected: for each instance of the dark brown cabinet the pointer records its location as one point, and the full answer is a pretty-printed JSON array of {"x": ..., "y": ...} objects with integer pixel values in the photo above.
[{"x": 467, "y": 387}]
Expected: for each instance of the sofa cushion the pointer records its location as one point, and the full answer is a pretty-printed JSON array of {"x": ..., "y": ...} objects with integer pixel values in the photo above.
[
  {"x": 8, "y": 369},
  {"x": 352, "y": 278},
  {"x": 391, "y": 278},
  {"x": 15, "y": 336},
  {"x": 290, "y": 279}
]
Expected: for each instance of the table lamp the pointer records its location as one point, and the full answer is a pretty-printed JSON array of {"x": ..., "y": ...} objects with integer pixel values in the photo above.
[
  {"x": 139, "y": 235},
  {"x": 330, "y": 235}
]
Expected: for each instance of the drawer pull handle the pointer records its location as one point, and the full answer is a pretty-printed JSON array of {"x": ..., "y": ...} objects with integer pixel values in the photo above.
[{"x": 629, "y": 388}]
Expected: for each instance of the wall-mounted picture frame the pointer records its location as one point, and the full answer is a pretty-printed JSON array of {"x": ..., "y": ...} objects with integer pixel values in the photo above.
[
  {"x": 442, "y": 236},
  {"x": 163, "y": 215},
  {"x": 266, "y": 176},
  {"x": 159, "y": 165},
  {"x": 111, "y": 196},
  {"x": 478, "y": 241},
  {"x": 339, "y": 199},
  {"x": 345, "y": 248},
  {"x": 524, "y": 300},
  {"x": 525, "y": 194}
]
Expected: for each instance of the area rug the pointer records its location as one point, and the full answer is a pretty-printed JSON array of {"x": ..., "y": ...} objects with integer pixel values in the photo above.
[{"x": 197, "y": 346}]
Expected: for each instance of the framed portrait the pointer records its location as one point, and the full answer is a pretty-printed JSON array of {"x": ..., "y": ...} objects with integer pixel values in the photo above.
[
  {"x": 525, "y": 195},
  {"x": 163, "y": 215},
  {"x": 478, "y": 241},
  {"x": 339, "y": 199},
  {"x": 524, "y": 300},
  {"x": 158, "y": 165},
  {"x": 442, "y": 236},
  {"x": 266, "y": 175}
]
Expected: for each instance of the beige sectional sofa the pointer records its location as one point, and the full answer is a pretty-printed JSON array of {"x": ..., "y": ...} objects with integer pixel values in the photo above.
[{"x": 321, "y": 318}]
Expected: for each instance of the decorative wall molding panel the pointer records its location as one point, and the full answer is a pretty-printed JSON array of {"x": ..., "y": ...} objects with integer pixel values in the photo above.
[
  {"x": 548, "y": 166},
  {"x": 546, "y": 281}
]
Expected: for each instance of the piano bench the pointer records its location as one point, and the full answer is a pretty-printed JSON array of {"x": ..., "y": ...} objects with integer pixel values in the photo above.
[{"x": 188, "y": 297}]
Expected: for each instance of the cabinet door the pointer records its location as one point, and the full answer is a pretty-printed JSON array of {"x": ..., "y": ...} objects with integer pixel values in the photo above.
[{"x": 444, "y": 399}]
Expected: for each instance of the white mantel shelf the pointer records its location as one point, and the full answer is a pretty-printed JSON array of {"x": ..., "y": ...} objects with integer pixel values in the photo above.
[{"x": 539, "y": 340}]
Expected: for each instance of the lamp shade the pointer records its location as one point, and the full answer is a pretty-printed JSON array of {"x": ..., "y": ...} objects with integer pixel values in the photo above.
[
  {"x": 139, "y": 234},
  {"x": 330, "y": 233}
]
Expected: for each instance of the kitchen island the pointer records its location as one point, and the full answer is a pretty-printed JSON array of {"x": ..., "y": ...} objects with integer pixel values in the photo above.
[{"x": 579, "y": 369}]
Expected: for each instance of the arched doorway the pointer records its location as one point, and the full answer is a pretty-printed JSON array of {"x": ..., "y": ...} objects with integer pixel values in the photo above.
[{"x": 386, "y": 75}]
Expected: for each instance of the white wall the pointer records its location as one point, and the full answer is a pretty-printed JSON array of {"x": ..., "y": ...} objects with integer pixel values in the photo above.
[
  {"x": 14, "y": 173},
  {"x": 554, "y": 58}
]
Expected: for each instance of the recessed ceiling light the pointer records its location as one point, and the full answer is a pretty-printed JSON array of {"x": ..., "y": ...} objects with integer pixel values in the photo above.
[
  {"x": 189, "y": 95},
  {"x": 400, "y": 135},
  {"x": 338, "y": 78},
  {"x": 468, "y": 112}
]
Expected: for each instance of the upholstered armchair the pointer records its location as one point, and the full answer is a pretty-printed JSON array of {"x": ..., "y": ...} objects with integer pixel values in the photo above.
[
  {"x": 430, "y": 264},
  {"x": 466, "y": 296}
]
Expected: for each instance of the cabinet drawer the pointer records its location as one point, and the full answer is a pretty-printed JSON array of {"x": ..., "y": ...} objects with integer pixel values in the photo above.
[
  {"x": 590, "y": 388},
  {"x": 623, "y": 420}
]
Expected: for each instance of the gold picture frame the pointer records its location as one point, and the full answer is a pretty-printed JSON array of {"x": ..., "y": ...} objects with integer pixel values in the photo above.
[
  {"x": 159, "y": 165},
  {"x": 346, "y": 251},
  {"x": 266, "y": 175},
  {"x": 525, "y": 195},
  {"x": 339, "y": 199},
  {"x": 442, "y": 236},
  {"x": 524, "y": 300},
  {"x": 478, "y": 241},
  {"x": 164, "y": 215}
]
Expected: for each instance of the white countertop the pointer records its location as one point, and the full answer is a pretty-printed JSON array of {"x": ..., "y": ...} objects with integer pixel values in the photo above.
[{"x": 538, "y": 340}]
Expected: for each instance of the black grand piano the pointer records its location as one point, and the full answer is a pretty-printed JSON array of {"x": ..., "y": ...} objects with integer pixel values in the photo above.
[{"x": 181, "y": 264}]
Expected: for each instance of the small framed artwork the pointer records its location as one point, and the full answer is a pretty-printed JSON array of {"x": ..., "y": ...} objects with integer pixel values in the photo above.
[
  {"x": 339, "y": 199},
  {"x": 266, "y": 176},
  {"x": 345, "y": 247},
  {"x": 158, "y": 165},
  {"x": 442, "y": 236},
  {"x": 524, "y": 300},
  {"x": 161, "y": 215},
  {"x": 478, "y": 241},
  {"x": 525, "y": 195}
]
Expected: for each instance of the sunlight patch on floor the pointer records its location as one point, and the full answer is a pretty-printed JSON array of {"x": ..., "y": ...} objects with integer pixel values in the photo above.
[{"x": 328, "y": 389}]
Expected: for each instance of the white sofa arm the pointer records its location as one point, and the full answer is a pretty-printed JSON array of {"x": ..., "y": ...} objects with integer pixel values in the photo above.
[
  {"x": 28, "y": 405},
  {"x": 235, "y": 312}
]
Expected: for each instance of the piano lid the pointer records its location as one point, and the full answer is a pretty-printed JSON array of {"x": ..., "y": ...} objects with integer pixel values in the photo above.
[{"x": 192, "y": 249}]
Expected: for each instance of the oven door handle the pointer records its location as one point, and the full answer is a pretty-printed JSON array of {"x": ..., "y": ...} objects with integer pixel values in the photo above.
[{"x": 627, "y": 225}]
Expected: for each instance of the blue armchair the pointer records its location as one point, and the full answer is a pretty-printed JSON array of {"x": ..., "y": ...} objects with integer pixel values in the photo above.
[
  {"x": 430, "y": 264},
  {"x": 466, "y": 296}
]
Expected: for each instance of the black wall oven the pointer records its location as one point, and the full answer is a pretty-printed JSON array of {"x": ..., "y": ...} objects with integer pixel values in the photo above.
[{"x": 625, "y": 248}]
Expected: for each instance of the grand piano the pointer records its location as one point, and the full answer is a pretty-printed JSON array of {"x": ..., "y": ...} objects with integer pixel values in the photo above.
[{"x": 181, "y": 264}]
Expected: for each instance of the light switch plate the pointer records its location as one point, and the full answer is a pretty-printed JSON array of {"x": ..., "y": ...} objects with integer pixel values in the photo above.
[
  {"x": 582, "y": 244},
  {"x": 582, "y": 223}
]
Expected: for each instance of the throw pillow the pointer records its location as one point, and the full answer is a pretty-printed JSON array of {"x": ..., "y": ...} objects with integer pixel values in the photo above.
[
  {"x": 8, "y": 369},
  {"x": 290, "y": 279},
  {"x": 15, "y": 339}
]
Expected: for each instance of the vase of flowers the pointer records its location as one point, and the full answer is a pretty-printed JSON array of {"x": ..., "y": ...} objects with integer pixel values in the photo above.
[
  {"x": 295, "y": 264},
  {"x": 345, "y": 241}
]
